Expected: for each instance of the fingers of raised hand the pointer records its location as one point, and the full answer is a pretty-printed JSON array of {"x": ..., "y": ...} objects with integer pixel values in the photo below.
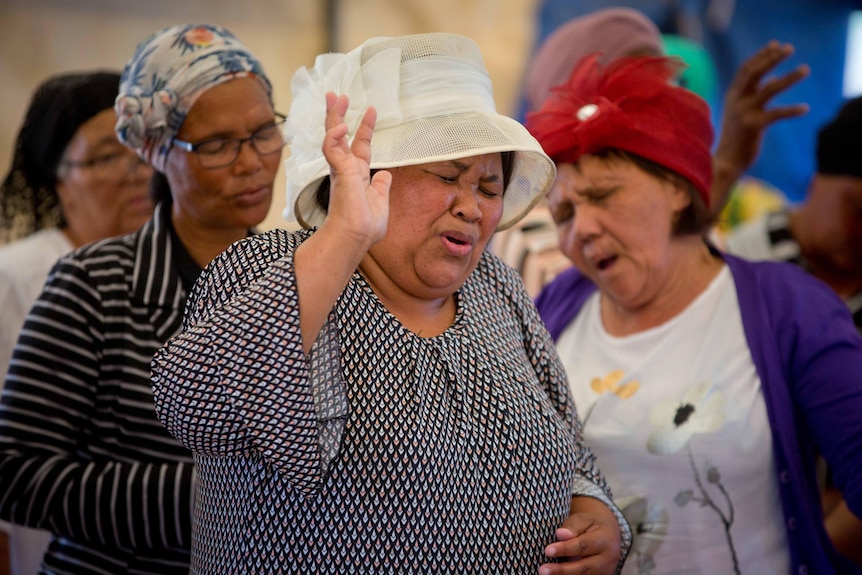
[
  {"x": 752, "y": 111},
  {"x": 361, "y": 146},
  {"x": 335, "y": 140},
  {"x": 336, "y": 108},
  {"x": 774, "y": 86},
  {"x": 382, "y": 181},
  {"x": 783, "y": 113},
  {"x": 754, "y": 68}
]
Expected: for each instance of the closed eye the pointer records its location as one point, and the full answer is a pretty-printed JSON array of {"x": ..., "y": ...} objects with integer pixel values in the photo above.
[
  {"x": 106, "y": 158},
  {"x": 490, "y": 193},
  {"x": 562, "y": 212},
  {"x": 215, "y": 145}
]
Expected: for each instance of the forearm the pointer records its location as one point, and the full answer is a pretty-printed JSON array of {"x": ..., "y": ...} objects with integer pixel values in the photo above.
[
  {"x": 845, "y": 531},
  {"x": 587, "y": 495},
  {"x": 112, "y": 504},
  {"x": 725, "y": 176},
  {"x": 324, "y": 264}
]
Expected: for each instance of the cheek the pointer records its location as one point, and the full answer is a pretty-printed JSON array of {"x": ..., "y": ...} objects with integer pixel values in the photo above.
[
  {"x": 95, "y": 198},
  {"x": 190, "y": 183},
  {"x": 110, "y": 197},
  {"x": 852, "y": 230},
  {"x": 566, "y": 236},
  {"x": 492, "y": 210},
  {"x": 415, "y": 207},
  {"x": 271, "y": 164}
]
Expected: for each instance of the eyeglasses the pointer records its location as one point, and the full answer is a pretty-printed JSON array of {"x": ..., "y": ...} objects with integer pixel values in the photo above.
[
  {"x": 221, "y": 152},
  {"x": 112, "y": 167}
]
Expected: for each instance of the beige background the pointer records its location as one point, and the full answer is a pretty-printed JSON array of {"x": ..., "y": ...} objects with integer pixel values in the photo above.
[{"x": 39, "y": 38}]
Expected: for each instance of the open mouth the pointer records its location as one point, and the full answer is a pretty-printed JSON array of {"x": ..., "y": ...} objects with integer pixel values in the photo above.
[
  {"x": 605, "y": 263},
  {"x": 457, "y": 244}
]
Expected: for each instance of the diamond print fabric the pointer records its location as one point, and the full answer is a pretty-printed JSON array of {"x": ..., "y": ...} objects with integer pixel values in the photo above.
[{"x": 456, "y": 454}]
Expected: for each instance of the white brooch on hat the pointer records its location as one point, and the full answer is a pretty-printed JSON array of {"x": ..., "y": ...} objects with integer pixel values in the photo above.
[{"x": 587, "y": 112}]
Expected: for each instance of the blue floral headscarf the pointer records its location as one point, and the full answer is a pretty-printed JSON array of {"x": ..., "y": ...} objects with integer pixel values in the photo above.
[{"x": 167, "y": 74}]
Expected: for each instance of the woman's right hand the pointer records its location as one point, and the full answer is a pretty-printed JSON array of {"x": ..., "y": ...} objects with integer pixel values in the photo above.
[{"x": 358, "y": 203}]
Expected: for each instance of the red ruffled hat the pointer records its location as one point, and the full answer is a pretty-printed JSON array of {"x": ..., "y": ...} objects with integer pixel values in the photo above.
[{"x": 632, "y": 105}]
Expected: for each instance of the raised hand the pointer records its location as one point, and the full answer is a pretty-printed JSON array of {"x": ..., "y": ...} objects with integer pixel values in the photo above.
[
  {"x": 356, "y": 219},
  {"x": 746, "y": 115},
  {"x": 358, "y": 203}
]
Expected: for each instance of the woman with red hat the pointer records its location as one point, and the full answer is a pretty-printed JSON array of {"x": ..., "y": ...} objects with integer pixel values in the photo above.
[{"x": 706, "y": 384}]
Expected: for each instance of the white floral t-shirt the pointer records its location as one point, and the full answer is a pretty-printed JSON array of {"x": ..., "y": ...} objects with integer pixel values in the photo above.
[{"x": 676, "y": 418}]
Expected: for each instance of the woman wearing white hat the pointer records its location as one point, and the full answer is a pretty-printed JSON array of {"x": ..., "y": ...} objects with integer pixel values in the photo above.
[{"x": 376, "y": 393}]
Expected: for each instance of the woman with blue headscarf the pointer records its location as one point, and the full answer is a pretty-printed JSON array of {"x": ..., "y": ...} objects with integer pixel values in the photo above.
[{"x": 82, "y": 453}]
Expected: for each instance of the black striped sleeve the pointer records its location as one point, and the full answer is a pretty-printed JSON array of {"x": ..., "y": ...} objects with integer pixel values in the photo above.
[{"x": 63, "y": 465}]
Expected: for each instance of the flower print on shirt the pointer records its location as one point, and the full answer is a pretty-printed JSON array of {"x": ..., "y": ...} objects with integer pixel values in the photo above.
[
  {"x": 611, "y": 383},
  {"x": 649, "y": 523},
  {"x": 701, "y": 410}
]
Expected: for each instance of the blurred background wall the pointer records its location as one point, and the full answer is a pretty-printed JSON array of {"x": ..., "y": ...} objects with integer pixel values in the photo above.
[
  {"x": 733, "y": 30},
  {"x": 43, "y": 37}
]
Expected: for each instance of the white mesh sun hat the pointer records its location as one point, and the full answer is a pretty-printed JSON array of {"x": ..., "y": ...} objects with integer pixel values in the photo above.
[{"x": 434, "y": 103}]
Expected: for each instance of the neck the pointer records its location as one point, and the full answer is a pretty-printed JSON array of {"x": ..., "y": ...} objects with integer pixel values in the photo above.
[
  {"x": 693, "y": 270},
  {"x": 73, "y": 238},
  {"x": 204, "y": 244},
  {"x": 77, "y": 237},
  {"x": 426, "y": 317}
]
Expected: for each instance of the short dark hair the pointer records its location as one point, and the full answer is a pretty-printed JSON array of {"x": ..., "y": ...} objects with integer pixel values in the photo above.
[
  {"x": 696, "y": 218},
  {"x": 840, "y": 141},
  {"x": 321, "y": 196}
]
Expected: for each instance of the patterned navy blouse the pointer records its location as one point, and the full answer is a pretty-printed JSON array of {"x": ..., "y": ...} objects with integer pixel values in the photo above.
[{"x": 381, "y": 451}]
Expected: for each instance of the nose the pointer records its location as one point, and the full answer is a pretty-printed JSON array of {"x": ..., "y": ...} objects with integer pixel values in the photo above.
[
  {"x": 248, "y": 159},
  {"x": 585, "y": 226},
  {"x": 465, "y": 205}
]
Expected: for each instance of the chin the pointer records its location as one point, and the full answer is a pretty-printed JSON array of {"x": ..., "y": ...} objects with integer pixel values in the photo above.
[
  {"x": 250, "y": 218},
  {"x": 446, "y": 284}
]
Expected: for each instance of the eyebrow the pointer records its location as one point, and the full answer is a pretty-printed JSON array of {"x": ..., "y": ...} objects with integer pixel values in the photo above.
[
  {"x": 597, "y": 189},
  {"x": 112, "y": 139},
  {"x": 227, "y": 132},
  {"x": 462, "y": 167}
]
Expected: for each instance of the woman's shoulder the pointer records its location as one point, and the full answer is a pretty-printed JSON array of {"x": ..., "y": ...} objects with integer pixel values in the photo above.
[
  {"x": 38, "y": 250},
  {"x": 498, "y": 277},
  {"x": 239, "y": 265},
  {"x": 569, "y": 284},
  {"x": 258, "y": 250},
  {"x": 790, "y": 295},
  {"x": 776, "y": 277}
]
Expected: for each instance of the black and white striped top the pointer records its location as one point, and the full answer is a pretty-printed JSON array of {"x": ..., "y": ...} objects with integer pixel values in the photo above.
[
  {"x": 382, "y": 451},
  {"x": 82, "y": 453}
]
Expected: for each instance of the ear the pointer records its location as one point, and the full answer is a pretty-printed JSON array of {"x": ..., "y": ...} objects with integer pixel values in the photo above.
[
  {"x": 64, "y": 193},
  {"x": 68, "y": 193},
  {"x": 680, "y": 196}
]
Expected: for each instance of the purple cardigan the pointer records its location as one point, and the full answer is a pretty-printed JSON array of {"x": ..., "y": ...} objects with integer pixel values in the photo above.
[{"x": 808, "y": 355}]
